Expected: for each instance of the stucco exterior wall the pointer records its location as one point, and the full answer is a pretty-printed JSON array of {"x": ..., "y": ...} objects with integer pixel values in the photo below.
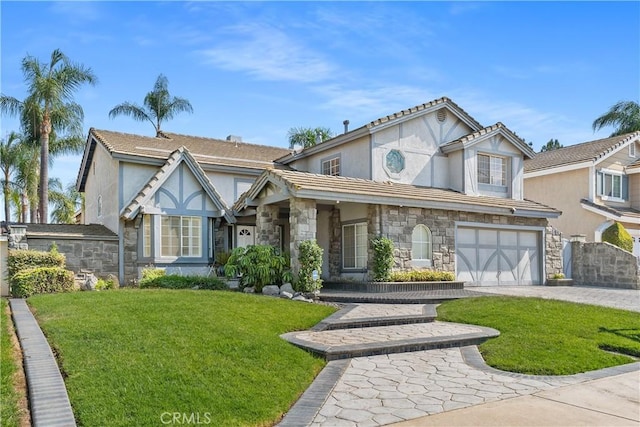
[
  {"x": 230, "y": 186},
  {"x": 497, "y": 146},
  {"x": 418, "y": 140},
  {"x": 134, "y": 176},
  {"x": 634, "y": 190},
  {"x": 101, "y": 191},
  {"x": 564, "y": 191}
]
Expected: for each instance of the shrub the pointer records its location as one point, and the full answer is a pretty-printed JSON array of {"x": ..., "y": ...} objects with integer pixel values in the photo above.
[
  {"x": 20, "y": 260},
  {"x": 617, "y": 235},
  {"x": 383, "y": 260},
  {"x": 108, "y": 283},
  {"x": 310, "y": 258},
  {"x": 258, "y": 265},
  {"x": 422, "y": 276},
  {"x": 151, "y": 272},
  {"x": 557, "y": 276},
  {"x": 41, "y": 280},
  {"x": 174, "y": 281}
]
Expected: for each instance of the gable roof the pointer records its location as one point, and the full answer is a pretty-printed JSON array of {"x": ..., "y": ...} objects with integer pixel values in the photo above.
[
  {"x": 69, "y": 231},
  {"x": 382, "y": 122},
  {"x": 209, "y": 152},
  {"x": 488, "y": 132},
  {"x": 590, "y": 151},
  {"x": 344, "y": 189},
  {"x": 181, "y": 155}
]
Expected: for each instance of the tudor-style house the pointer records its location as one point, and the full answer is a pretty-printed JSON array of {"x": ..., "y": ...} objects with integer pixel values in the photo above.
[
  {"x": 446, "y": 190},
  {"x": 594, "y": 184}
]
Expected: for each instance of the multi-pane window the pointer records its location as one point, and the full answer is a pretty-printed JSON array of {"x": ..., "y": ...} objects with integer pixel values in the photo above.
[
  {"x": 612, "y": 185},
  {"x": 181, "y": 236},
  {"x": 146, "y": 236},
  {"x": 492, "y": 170},
  {"x": 421, "y": 243},
  {"x": 331, "y": 167},
  {"x": 354, "y": 245}
]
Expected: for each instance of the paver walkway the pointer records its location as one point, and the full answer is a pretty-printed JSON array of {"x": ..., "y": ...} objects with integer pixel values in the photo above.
[
  {"x": 48, "y": 400},
  {"x": 625, "y": 299}
]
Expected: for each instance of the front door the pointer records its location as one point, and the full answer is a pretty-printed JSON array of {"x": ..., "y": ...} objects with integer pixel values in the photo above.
[{"x": 245, "y": 235}]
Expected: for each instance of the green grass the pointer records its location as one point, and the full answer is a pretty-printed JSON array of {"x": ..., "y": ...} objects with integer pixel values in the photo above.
[
  {"x": 547, "y": 337},
  {"x": 9, "y": 412},
  {"x": 133, "y": 356}
]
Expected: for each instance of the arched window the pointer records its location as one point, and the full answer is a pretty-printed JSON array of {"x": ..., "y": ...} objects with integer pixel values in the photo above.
[{"x": 421, "y": 243}]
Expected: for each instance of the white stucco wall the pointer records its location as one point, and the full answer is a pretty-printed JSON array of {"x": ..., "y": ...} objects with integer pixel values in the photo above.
[
  {"x": 352, "y": 211},
  {"x": 101, "y": 189},
  {"x": 418, "y": 139},
  {"x": 355, "y": 159},
  {"x": 498, "y": 146},
  {"x": 230, "y": 186},
  {"x": 134, "y": 177}
]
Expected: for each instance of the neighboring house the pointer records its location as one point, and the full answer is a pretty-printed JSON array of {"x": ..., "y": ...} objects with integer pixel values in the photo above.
[
  {"x": 594, "y": 184},
  {"x": 446, "y": 190}
]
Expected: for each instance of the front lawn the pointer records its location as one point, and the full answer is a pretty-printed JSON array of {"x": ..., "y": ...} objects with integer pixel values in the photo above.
[
  {"x": 547, "y": 337},
  {"x": 145, "y": 357}
]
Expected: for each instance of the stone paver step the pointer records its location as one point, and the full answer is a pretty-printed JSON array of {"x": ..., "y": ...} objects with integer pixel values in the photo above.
[
  {"x": 370, "y": 315},
  {"x": 346, "y": 343},
  {"x": 409, "y": 297}
]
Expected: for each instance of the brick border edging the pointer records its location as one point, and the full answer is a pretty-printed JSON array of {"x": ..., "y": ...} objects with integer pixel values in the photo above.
[
  {"x": 307, "y": 407},
  {"x": 48, "y": 400}
]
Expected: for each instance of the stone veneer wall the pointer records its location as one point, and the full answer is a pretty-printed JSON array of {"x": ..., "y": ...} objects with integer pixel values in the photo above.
[
  {"x": 397, "y": 224},
  {"x": 130, "y": 253},
  {"x": 266, "y": 225},
  {"x": 603, "y": 264},
  {"x": 303, "y": 220},
  {"x": 96, "y": 254}
]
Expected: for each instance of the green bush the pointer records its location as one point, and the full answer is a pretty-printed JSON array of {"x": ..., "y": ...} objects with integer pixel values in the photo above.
[
  {"x": 104, "y": 284},
  {"x": 21, "y": 260},
  {"x": 422, "y": 276},
  {"x": 41, "y": 280},
  {"x": 383, "y": 260},
  {"x": 150, "y": 273},
  {"x": 617, "y": 235},
  {"x": 174, "y": 281},
  {"x": 310, "y": 258},
  {"x": 258, "y": 266}
]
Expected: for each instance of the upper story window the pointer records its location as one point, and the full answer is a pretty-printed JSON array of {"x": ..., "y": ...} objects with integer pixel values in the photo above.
[
  {"x": 180, "y": 236},
  {"x": 146, "y": 236},
  {"x": 331, "y": 166},
  {"x": 492, "y": 170},
  {"x": 632, "y": 150},
  {"x": 611, "y": 185}
]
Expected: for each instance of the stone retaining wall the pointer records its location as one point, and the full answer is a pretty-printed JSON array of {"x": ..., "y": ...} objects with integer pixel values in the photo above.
[{"x": 603, "y": 264}]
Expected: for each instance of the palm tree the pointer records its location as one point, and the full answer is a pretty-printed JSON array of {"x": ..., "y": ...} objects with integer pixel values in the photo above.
[
  {"x": 625, "y": 115},
  {"x": 11, "y": 156},
  {"x": 65, "y": 202},
  {"x": 49, "y": 107},
  {"x": 159, "y": 106},
  {"x": 308, "y": 137}
]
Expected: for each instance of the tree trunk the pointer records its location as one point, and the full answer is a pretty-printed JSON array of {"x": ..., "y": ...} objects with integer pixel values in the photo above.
[
  {"x": 5, "y": 189},
  {"x": 23, "y": 208},
  {"x": 45, "y": 129}
]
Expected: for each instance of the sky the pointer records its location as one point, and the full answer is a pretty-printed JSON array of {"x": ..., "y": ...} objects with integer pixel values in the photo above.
[{"x": 544, "y": 69}]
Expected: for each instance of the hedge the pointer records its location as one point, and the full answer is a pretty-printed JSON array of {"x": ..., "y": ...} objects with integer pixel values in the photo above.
[
  {"x": 20, "y": 260},
  {"x": 422, "y": 276},
  {"x": 617, "y": 235},
  {"x": 41, "y": 280}
]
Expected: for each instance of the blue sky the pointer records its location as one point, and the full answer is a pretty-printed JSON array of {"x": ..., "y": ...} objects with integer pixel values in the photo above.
[{"x": 544, "y": 69}]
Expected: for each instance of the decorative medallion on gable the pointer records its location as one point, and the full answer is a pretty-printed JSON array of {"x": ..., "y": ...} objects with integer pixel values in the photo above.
[{"x": 395, "y": 161}]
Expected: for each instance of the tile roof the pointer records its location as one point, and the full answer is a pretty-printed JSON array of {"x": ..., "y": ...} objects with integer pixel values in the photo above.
[
  {"x": 584, "y": 152},
  {"x": 301, "y": 184},
  {"x": 444, "y": 100},
  {"x": 69, "y": 230},
  {"x": 619, "y": 212},
  {"x": 155, "y": 182},
  {"x": 207, "y": 151},
  {"x": 465, "y": 140}
]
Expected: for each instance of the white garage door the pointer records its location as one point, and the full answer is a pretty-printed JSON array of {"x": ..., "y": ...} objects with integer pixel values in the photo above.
[{"x": 490, "y": 257}]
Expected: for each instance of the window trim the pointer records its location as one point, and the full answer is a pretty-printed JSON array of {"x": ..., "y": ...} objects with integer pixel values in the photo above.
[
  {"x": 428, "y": 242},
  {"x": 357, "y": 254},
  {"x": 600, "y": 185},
  {"x": 490, "y": 175},
  {"x": 328, "y": 160},
  {"x": 632, "y": 150},
  {"x": 180, "y": 239}
]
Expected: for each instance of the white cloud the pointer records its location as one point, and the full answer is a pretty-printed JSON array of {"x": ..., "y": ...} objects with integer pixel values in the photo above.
[{"x": 268, "y": 53}]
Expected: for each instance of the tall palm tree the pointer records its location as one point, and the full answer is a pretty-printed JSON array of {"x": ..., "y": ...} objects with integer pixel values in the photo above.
[
  {"x": 12, "y": 153},
  {"x": 65, "y": 202},
  {"x": 50, "y": 107},
  {"x": 625, "y": 116},
  {"x": 158, "y": 107}
]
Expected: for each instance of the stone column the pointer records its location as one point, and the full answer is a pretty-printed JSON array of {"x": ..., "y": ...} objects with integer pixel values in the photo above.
[
  {"x": 266, "y": 225},
  {"x": 303, "y": 221},
  {"x": 335, "y": 244},
  {"x": 553, "y": 249}
]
